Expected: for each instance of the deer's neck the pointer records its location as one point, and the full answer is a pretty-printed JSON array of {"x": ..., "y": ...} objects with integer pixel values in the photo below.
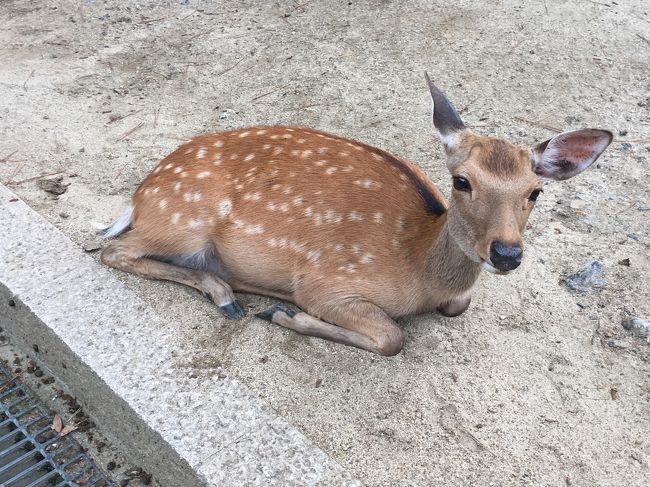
[{"x": 450, "y": 271}]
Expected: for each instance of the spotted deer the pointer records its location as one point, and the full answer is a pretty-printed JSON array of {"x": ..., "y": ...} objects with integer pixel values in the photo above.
[{"x": 352, "y": 235}]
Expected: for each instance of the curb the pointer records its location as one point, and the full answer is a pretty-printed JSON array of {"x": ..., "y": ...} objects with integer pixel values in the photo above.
[{"x": 116, "y": 355}]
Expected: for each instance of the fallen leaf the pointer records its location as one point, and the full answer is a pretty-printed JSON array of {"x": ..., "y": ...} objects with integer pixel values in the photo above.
[
  {"x": 57, "y": 423},
  {"x": 613, "y": 392},
  {"x": 68, "y": 429}
]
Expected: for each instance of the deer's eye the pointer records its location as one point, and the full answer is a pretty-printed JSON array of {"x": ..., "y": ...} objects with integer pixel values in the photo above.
[
  {"x": 462, "y": 184},
  {"x": 533, "y": 196}
]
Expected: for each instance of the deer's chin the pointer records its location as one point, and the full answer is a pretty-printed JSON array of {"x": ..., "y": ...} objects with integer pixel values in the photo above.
[{"x": 487, "y": 265}]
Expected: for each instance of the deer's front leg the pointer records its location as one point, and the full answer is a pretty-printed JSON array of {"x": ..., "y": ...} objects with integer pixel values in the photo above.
[
  {"x": 358, "y": 324},
  {"x": 455, "y": 306}
]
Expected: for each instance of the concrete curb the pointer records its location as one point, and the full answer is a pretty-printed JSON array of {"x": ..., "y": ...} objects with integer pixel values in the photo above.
[{"x": 115, "y": 354}]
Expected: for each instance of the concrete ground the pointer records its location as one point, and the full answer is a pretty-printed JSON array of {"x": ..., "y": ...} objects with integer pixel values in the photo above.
[{"x": 534, "y": 384}]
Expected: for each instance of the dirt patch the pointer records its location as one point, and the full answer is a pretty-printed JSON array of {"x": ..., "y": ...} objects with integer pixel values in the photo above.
[{"x": 536, "y": 384}]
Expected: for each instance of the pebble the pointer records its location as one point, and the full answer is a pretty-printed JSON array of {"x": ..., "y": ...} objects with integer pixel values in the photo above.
[
  {"x": 590, "y": 275},
  {"x": 53, "y": 186},
  {"x": 637, "y": 326},
  {"x": 92, "y": 245}
]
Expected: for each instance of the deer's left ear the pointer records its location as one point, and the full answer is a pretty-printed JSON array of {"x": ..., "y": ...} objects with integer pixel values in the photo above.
[{"x": 569, "y": 153}]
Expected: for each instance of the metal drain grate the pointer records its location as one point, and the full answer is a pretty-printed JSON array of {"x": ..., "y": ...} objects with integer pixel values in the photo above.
[{"x": 32, "y": 454}]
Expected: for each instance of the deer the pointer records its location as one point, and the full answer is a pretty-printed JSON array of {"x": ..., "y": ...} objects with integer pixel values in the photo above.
[{"x": 348, "y": 236}]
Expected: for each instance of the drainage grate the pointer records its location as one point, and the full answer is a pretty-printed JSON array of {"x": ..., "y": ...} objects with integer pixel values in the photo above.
[{"x": 32, "y": 454}]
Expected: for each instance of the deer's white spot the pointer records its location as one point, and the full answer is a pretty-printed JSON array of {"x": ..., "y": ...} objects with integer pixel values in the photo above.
[
  {"x": 330, "y": 170},
  {"x": 201, "y": 153},
  {"x": 339, "y": 247},
  {"x": 176, "y": 217},
  {"x": 178, "y": 169},
  {"x": 309, "y": 211},
  {"x": 252, "y": 196},
  {"x": 195, "y": 223},
  {"x": 300, "y": 141},
  {"x": 275, "y": 136},
  {"x": 355, "y": 216},
  {"x": 298, "y": 200},
  {"x": 249, "y": 157},
  {"x": 322, "y": 150},
  {"x": 378, "y": 217},
  {"x": 344, "y": 153},
  {"x": 367, "y": 183},
  {"x": 184, "y": 174},
  {"x": 177, "y": 187},
  {"x": 254, "y": 230},
  {"x": 155, "y": 190},
  {"x": 169, "y": 166},
  {"x": 314, "y": 256},
  {"x": 157, "y": 170},
  {"x": 401, "y": 223},
  {"x": 356, "y": 249},
  {"x": 244, "y": 134},
  {"x": 376, "y": 156},
  {"x": 367, "y": 258},
  {"x": 306, "y": 154},
  {"x": 233, "y": 156},
  {"x": 218, "y": 143},
  {"x": 287, "y": 190},
  {"x": 320, "y": 162},
  {"x": 188, "y": 151},
  {"x": 225, "y": 207},
  {"x": 266, "y": 146},
  {"x": 203, "y": 174},
  {"x": 283, "y": 207},
  {"x": 318, "y": 219},
  {"x": 277, "y": 151},
  {"x": 162, "y": 204},
  {"x": 260, "y": 132},
  {"x": 333, "y": 217},
  {"x": 348, "y": 168}
]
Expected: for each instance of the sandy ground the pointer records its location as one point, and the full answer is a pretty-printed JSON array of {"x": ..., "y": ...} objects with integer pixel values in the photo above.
[{"x": 534, "y": 384}]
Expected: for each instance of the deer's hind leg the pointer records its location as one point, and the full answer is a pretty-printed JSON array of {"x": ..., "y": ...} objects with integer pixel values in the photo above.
[
  {"x": 358, "y": 323},
  {"x": 131, "y": 254}
]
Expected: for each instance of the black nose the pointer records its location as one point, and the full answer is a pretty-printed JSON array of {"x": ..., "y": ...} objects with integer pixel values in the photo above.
[{"x": 505, "y": 257}]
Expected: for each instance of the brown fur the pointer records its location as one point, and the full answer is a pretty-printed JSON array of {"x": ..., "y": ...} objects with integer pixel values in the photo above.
[{"x": 348, "y": 232}]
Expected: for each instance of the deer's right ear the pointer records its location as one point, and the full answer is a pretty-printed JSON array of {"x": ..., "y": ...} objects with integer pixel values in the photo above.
[{"x": 445, "y": 117}]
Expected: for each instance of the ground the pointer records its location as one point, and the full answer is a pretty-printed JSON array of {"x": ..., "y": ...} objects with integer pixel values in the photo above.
[{"x": 535, "y": 384}]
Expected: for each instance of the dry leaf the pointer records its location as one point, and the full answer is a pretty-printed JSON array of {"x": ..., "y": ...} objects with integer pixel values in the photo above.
[
  {"x": 68, "y": 429},
  {"x": 57, "y": 423}
]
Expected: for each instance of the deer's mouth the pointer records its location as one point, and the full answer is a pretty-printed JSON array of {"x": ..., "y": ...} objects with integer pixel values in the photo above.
[{"x": 487, "y": 265}]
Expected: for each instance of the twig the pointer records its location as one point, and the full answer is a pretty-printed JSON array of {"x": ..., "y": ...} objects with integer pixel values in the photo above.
[
  {"x": 126, "y": 134},
  {"x": 37, "y": 177},
  {"x": 121, "y": 117},
  {"x": 268, "y": 93},
  {"x": 537, "y": 124},
  {"x": 8, "y": 158},
  {"x": 28, "y": 78},
  {"x": 545, "y": 7},
  {"x": 598, "y": 3},
  {"x": 150, "y": 21},
  {"x": 230, "y": 68},
  {"x": 643, "y": 38},
  {"x": 632, "y": 141},
  {"x": 155, "y": 117},
  {"x": 625, "y": 209}
]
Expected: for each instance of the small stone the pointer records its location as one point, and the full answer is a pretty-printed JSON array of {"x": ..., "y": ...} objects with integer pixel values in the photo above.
[
  {"x": 92, "y": 245},
  {"x": 591, "y": 275},
  {"x": 110, "y": 465},
  {"x": 53, "y": 186},
  {"x": 63, "y": 214},
  {"x": 35, "y": 347},
  {"x": 318, "y": 383},
  {"x": 637, "y": 326},
  {"x": 616, "y": 344},
  {"x": 625, "y": 262},
  {"x": 623, "y": 132},
  {"x": 38, "y": 373}
]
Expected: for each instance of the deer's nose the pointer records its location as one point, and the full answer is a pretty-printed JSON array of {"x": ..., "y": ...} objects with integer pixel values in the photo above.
[{"x": 505, "y": 257}]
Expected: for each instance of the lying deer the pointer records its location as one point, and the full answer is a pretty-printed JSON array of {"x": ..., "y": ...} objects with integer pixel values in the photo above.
[{"x": 349, "y": 233}]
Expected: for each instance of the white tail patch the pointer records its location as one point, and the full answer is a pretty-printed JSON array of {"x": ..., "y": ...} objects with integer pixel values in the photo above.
[{"x": 119, "y": 226}]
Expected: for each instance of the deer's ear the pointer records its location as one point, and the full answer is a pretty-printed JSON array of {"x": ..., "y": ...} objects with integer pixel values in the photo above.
[
  {"x": 445, "y": 117},
  {"x": 569, "y": 153}
]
